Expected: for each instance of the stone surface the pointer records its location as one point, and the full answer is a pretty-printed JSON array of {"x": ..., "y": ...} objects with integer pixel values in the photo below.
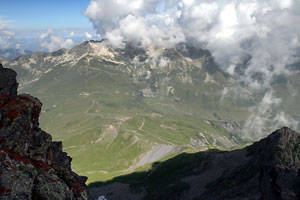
[
  {"x": 8, "y": 83},
  {"x": 270, "y": 173},
  {"x": 31, "y": 165}
]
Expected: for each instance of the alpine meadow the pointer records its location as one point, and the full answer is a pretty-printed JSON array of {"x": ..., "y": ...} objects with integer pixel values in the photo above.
[{"x": 151, "y": 99}]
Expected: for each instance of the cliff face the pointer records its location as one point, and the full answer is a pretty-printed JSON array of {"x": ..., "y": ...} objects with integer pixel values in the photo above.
[
  {"x": 271, "y": 170},
  {"x": 32, "y": 166}
]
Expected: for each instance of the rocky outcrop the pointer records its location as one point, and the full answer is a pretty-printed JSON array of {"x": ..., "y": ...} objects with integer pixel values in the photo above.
[
  {"x": 271, "y": 171},
  {"x": 278, "y": 157},
  {"x": 8, "y": 82},
  {"x": 32, "y": 166}
]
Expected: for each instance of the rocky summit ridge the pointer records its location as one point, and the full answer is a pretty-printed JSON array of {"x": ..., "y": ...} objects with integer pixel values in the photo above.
[
  {"x": 32, "y": 166},
  {"x": 270, "y": 170}
]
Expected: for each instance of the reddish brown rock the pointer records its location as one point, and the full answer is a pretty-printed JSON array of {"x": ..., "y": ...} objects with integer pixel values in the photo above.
[{"x": 31, "y": 165}]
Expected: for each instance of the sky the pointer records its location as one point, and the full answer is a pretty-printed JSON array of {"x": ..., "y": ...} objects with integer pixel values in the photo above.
[
  {"x": 29, "y": 19},
  {"x": 44, "y": 14},
  {"x": 262, "y": 33}
]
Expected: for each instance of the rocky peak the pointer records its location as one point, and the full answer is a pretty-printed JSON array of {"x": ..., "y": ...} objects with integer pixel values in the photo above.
[
  {"x": 271, "y": 170},
  {"x": 281, "y": 149},
  {"x": 276, "y": 158},
  {"x": 32, "y": 166},
  {"x": 59, "y": 52}
]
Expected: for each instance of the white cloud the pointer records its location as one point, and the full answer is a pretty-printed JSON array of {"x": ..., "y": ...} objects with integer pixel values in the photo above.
[
  {"x": 8, "y": 38},
  {"x": 285, "y": 3},
  {"x": 232, "y": 30},
  {"x": 135, "y": 21},
  {"x": 263, "y": 116},
  {"x": 115, "y": 39},
  {"x": 88, "y": 36},
  {"x": 71, "y": 34},
  {"x": 52, "y": 42},
  {"x": 264, "y": 32}
]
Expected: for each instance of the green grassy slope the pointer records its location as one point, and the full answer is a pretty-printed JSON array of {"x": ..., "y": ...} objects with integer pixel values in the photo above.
[{"x": 115, "y": 116}]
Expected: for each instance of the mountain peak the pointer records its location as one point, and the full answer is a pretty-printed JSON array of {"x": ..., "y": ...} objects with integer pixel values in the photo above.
[
  {"x": 281, "y": 148},
  {"x": 281, "y": 138},
  {"x": 285, "y": 137}
]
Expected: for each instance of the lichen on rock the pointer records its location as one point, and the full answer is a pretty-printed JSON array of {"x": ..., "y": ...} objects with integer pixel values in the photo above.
[{"x": 32, "y": 166}]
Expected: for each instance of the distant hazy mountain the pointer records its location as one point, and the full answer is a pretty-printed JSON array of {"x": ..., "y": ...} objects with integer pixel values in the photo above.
[
  {"x": 118, "y": 110},
  {"x": 13, "y": 53}
]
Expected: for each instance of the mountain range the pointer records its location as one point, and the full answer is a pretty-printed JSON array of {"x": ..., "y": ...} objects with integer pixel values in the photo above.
[
  {"x": 13, "y": 53},
  {"x": 32, "y": 166},
  {"x": 120, "y": 110}
]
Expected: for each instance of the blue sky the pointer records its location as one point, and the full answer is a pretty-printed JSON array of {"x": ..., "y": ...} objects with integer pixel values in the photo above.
[
  {"x": 29, "y": 19},
  {"x": 43, "y": 14}
]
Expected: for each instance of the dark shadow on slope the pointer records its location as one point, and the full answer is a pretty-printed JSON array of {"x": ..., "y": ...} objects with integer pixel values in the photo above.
[{"x": 165, "y": 179}]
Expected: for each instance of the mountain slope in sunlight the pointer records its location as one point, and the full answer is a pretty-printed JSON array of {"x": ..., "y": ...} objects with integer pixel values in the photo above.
[{"x": 117, "y": 110}]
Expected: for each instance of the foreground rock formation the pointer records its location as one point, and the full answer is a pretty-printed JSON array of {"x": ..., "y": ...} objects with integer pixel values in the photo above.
[
  {"x": 32, "y": 166},
  {"x": 270, "y": 171}
]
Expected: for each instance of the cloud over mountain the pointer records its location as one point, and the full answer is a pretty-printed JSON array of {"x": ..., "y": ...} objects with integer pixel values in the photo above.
[
  {"x": 261, "y": 35},
  {"x": 142, "y": 23},
  {"x": 52, "y": 42},
  {"x": 232, "y": 30}
]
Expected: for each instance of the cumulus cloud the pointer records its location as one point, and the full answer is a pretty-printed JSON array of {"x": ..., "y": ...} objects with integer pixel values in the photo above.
[
  {"x": 8, "y": 38},
  {"x": 139, "y": 22},
  {"x": 261, "y": 35},
  {"x": 264, "y": 115},
  {"x": 88, "y": 36},
  {"x": 52, "y": 42},
  {"x": 233, "y": 30},
  {"x": 236, "y": 30}
]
